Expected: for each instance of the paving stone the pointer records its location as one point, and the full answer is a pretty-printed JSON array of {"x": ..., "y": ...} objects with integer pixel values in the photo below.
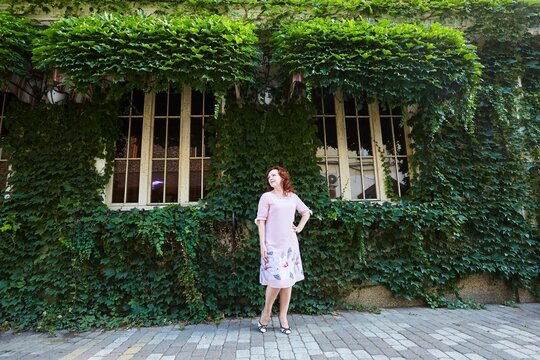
[
  {"x": 318, "y": 357},
  {"x": 497, "y": 333}
]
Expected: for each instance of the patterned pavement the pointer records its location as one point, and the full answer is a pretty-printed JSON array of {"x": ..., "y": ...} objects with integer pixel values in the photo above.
[{"x": 498, "y": 332}]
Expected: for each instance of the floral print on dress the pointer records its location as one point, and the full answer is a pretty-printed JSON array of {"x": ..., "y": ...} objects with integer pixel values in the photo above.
[{"x": 281, "y": 265}]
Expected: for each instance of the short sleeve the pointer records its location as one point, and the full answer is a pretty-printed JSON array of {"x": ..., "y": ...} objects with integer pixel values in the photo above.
[
  {"x": 301, "y": 207},
  {"x": 263, "y": 209}
]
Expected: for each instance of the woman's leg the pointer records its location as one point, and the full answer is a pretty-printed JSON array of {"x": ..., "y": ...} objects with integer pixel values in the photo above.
[
  {"x": 284, "y": 300},
  {"x": 271, "y": 294}
]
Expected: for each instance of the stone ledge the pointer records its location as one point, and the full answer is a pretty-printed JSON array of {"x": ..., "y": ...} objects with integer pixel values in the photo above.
[
  {"x": 481, "y": 288},
  {"x": 380, "y": 296}
]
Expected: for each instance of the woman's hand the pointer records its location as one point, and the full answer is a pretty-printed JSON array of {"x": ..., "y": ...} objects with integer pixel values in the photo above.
[
  {"x": 264, "y": 254},
  {"x": 298, "y": 228}
]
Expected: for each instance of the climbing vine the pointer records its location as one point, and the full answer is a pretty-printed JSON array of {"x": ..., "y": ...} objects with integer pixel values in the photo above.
[
  {"x": 16, "y": 46},
  {"x": 69, "y": 262},
  {"x": 395, "y": 63},
  {"x": 149, "y": 52}
]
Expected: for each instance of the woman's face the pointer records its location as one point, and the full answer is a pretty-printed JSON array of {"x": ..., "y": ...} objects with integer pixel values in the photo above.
[{"x": 274, "y": 179}]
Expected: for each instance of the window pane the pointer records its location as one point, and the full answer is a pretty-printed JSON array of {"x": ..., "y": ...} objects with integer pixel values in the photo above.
[
  {"x": 324, "y": 102},
  {"x": 356, "y": 181},
  {"x": 135, "y": 138},
  {"x": 125, "y": 105},
  {"x": 317, "y": 100},
  {"x": 173, "y": 141},
  {"x": 331, "y": 132},
  {"x": 137, "y": 102},
  {"x": 160, "y": 108},
  {"x": 160, "y": 129},
  {"x": 404, "y": 178},
  {"x": 196, "y": 142},
  {"x": 363, "y": 183},
  {"x": 399, "y": 134},
  {"x": 399, "y": 172},
  {"x": 128, "y": 150},
  {"x": 195, "y": 179},
  {"x": 333, "y": 177},
  {"x": 158, "y": 181},
  {"x": 209, "y": 101},
  {"x": 198, "y": 179},
  {"x": 171, "y": 188},
  {"x": 202, "y": 108},
  {"x": 329, "y": 105},
  {"x": 366, "y": 147},
  {"x": 350, "y": 107},
  {"x": 132, "y": 104},
  {"x": 327, "y": 153},
  {"x": 165, "y": 173},
  {"x": 132, "y": 193},
  {"x": 387, "y": 136},
  {"x": 320, "y": 130},
  {"x": 392, "y": 132},
  {"x": 328, "y": 135},
  {"x": 390, "y": 111},
  {"x": 174, "y": 104},
  {"x": 353, "y": 141},
  {"x": 330, "y": 171},
  {"x": 121, "y": 143},
  {"x": 207, "y": 153},
  {"x": 196, "y": 103},
  {"x": 119, "y": 181},
  {"x": 357, "y": 125},
  {"x": 355, "y": 107},
  {"x": 395, "y": 149},
  {"x": 206, "y": 176}
]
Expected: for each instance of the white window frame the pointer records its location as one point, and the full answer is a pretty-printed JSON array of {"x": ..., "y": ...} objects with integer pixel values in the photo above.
[
  {"x": 377, "y": 141},
  {"x": 145, "y": 173}
]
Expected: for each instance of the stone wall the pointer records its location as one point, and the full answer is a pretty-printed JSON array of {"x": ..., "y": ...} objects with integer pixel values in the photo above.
[{"x": 481, "y": 288}]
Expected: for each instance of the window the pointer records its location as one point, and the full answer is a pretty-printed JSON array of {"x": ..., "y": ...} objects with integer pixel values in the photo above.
[
  {"x": 395, "y": 147},
  {"x": 162, "y": 155},
  {"x": 5, "y": 98},
  {"x": 359, "y": 141},
  {"x": 127, "y": 162}
]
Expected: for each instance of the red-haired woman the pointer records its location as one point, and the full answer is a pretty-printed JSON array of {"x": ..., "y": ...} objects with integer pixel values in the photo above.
[{"x": 281, "y": 265}]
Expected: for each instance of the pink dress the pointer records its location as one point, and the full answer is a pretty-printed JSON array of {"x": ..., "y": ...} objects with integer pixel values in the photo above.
[{"x": 284, "y": 266}]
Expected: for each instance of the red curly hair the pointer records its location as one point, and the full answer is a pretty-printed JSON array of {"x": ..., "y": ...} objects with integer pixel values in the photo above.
[{"x": 286, "y": 183}]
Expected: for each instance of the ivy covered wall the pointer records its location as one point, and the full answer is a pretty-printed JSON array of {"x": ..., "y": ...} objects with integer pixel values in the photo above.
[{"x": 69, "y": 262}]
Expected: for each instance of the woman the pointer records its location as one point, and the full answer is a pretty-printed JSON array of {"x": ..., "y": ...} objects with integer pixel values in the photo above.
[{"x": 281, "y": 265}]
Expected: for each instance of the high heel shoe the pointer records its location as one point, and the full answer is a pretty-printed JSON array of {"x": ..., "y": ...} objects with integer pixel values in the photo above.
[
  {"x": 284, "y": 330},
  {"x": 261, "y": 327}
]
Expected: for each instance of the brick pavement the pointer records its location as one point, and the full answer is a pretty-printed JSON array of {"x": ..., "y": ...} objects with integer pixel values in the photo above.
[{"x": 498, "y": 332}]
